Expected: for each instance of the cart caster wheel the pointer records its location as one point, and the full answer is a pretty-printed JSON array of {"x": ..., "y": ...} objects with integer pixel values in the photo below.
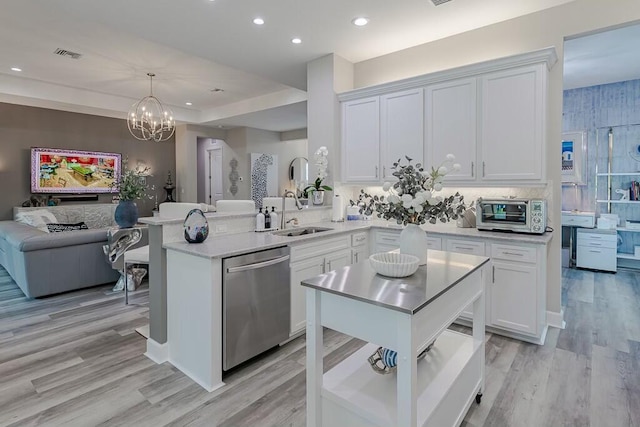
[{"x": 478, "y": 398}]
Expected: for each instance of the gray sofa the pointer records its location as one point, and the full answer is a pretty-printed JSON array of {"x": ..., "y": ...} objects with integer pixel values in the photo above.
[{"x": 44, "y": 263}]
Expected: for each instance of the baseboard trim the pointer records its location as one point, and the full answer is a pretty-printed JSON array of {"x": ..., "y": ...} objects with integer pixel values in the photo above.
[
  {"x": 159, "y": 353},
  {"x": 556, "y": 319},
  {"x": 207, "y": 385}
]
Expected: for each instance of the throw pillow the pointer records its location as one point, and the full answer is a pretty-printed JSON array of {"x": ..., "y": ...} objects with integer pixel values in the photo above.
[
  {"x": 57, "y": 228},
  {"x": 38, "y": 218}
]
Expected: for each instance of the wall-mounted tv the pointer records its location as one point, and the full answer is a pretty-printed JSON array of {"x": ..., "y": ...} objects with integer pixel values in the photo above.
[{"x": 72, "y": 171}]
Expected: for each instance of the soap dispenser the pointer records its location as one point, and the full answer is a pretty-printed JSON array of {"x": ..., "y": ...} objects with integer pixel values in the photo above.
[
  {"x": 260, "y": 220},
  {"x": 274, "y": 217},
  {"x": 267, "y": 218}
]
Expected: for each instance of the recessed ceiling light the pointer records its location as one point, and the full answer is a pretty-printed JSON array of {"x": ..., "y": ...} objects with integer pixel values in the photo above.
[
  {"x": 296, "y": 40},
  {"x": 188, "y": 103},
  {"x": 360, "y": 21},
  {"x": 16, "y": 69},
  {"x": 258, "y": 21}
]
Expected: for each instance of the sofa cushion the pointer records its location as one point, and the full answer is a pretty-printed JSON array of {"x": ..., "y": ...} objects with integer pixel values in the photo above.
[
  {"x": 38, "y": 218},
  {"x": 57, "y": 227},
  {"x": 26, "y": 238}
]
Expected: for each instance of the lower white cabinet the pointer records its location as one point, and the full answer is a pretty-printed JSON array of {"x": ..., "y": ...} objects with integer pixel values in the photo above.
[
  {"x": 596, "y": 249},
  {"x": 309, "y": 260},
  {"x": 514, "y": 297}
]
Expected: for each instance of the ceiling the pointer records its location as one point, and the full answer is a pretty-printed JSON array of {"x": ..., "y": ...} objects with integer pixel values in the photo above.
[
  {"x": 601, "y": 58},
  {"x": 196, "y": 46}
]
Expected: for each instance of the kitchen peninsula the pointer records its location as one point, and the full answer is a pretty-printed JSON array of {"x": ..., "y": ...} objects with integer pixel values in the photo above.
[{"x": 515, "y": 302}]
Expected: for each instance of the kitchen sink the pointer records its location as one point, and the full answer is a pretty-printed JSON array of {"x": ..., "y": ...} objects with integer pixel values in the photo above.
[{"x": 301, "y": 231}]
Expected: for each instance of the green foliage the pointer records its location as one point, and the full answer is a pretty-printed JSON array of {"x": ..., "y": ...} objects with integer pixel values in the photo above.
[
  {"x": 316, "y": 186},
  {"x": 132, "y": 183}
]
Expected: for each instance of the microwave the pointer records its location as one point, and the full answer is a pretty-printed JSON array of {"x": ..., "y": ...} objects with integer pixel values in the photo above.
[{"x": 518, "y": 215}]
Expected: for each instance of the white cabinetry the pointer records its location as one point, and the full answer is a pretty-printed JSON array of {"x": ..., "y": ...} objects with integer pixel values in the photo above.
[
  {"x": 309, "y": 260},
  {"x": 361, "y": 140},
  {"x": 596, "y": 249},
  {"x": 450, "y": 126},
  {"x": 359, "y": 247},
  {"x": 401, "y": 128},
  {"x": 512, "y": 123},
  {"x": 491, "y": 116},
  {"x": 517, "y": 295}
]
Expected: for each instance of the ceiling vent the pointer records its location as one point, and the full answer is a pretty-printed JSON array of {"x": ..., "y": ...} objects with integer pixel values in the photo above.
[
  {"x": 67, "y": 53},
  {"x": 439, "y": 2}
]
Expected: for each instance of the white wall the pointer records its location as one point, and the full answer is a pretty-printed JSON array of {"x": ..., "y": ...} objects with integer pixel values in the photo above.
[{"x": 539, "y": 30}]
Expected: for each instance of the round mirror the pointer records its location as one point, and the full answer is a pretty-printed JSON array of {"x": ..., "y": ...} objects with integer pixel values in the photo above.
[{"x": 299, "y": 172}]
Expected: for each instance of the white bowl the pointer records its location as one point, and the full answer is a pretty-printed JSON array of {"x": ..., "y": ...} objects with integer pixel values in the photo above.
[{"x": 393, "y": 264}]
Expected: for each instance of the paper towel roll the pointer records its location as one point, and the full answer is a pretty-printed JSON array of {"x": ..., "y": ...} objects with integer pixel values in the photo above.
[{"x": 337, "y": 212}]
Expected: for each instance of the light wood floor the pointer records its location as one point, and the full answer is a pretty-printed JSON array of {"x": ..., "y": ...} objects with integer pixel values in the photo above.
[{"x": 75, "y": 360}]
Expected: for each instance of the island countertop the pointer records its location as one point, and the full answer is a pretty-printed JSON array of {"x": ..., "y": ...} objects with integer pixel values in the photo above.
[
  {"x": 409, "y": 294},
  {"x": 226, "y": 245}
]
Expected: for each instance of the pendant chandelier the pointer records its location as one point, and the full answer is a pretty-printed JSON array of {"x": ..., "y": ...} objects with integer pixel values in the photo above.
[{"x": 149, "y": 119}]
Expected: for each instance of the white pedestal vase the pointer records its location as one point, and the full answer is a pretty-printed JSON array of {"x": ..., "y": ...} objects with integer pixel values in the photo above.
[{"x": 413, "y": 241}]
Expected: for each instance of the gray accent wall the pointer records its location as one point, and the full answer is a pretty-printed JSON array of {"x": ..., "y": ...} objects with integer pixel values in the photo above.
[{"x": 23, "y": 127}]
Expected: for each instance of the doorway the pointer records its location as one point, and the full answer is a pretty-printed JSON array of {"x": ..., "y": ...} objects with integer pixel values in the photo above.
[{"x": 214, "y": 182}]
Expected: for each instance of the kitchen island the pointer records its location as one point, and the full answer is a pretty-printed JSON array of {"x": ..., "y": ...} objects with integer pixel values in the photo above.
[{"x": 405, "y": 315}]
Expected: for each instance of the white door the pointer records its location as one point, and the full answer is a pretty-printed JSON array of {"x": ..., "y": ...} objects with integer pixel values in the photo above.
[
  {"x": 513, "y": 124},
  {"x": 401, "y": 129},
  {"x": 300, "y": 271},
  {"x": 214, "y": 187},
  {"x": 513, "y": 297},
  {"x": 451, "y": 127},
  {"x": 361, "y": 140}
]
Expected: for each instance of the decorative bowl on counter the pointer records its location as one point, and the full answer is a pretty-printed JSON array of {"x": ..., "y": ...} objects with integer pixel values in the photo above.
[{"x": 394, "y": 264}]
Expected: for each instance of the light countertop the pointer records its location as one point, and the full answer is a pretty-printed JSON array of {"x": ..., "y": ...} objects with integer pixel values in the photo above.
[
  {"x": 408, "y": 294},
  {"x": 226, "y": 245}
]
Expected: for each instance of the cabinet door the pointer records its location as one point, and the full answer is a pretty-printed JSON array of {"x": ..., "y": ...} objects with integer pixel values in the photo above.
[
  {"x": 401, "y": 129},
  {"x": 300, "y": 271},
  {"x": 359, "y": 254},
  {"x": 451, "y": 111},
  {"x": 513, "y": 124},
  {"x": 361, "y": 140},
  {"x": 337, "y": 260},
  {"x": 514, "y": 297}
]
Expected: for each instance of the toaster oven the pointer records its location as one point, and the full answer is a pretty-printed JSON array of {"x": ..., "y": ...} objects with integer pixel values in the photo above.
[{"x": 518, "y": 215}]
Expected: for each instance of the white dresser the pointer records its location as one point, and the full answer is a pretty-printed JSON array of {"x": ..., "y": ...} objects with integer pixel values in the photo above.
[{"x": 596, "y": 249}]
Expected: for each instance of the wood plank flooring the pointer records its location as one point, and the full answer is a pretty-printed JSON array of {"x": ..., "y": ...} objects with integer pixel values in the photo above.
[{"x": 75, "y": 360}]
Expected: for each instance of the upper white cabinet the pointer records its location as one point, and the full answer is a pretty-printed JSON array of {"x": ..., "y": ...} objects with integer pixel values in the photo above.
[
  {"x": 451, "y": 111},
  {"x": 512, "y": 135},
  {"x": 361, "y": 140},
  {"x": 490, "y": 115},
  {"x": 401, "y": 128}
]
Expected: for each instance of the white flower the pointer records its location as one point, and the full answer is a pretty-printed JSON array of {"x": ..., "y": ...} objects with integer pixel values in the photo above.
[
  {"x": 393, "y": 199},
  {"x": 456, "y": 166},
  {"x": 415, "y": 203},
  {"x": 386, "y": 186},
  {"x": 451, "y": 157},
  {"x": 442, "y": 170},
  {"x": 420, "y": 197},
  {"x": 407, "y": 198},
  {"x": 437, "y": 186},
  {"x": 418, "y": 208}
]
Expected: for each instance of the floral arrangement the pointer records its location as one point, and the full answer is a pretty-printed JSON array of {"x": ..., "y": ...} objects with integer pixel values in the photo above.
[
  {"x": 411, "y": 199},
  {"x": 132, "y": 183},
  {"x": 320, "y": 157}
]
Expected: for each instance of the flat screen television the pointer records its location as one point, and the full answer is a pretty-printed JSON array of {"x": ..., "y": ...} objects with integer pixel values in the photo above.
[{"x": 56, "y": 170}]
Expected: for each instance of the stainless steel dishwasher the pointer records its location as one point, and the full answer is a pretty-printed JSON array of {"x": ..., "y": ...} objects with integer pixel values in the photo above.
[{"x": 255, "y": 304}]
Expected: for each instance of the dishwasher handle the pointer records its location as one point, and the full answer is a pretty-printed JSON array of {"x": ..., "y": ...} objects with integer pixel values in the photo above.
[{"x": 257, "y": 265}]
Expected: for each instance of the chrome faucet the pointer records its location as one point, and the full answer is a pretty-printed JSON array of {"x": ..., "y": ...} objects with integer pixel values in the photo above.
[{"x": 298, "y": 205}]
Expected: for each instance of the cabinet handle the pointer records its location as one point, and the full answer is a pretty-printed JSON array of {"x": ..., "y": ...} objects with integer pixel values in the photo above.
[
  {"x": 360, "y": 239},
  {"x": 512, "y": 253},
  {"x": 356, "y": 256},
  {"x": 472, "y": 169},
  {"x": 464, "y": 248},
  {"x": 596, "y": 244},
  {"x": 324, "y": 267},
  {"x": 376, "y": 171},
  {"x": 591, "y": 250},
  {"x": 384, "y": 171},
  {"x": 493, "y": 274},
  {"x": 595, "y": 237},
  {"x": 483, "y": 169}
]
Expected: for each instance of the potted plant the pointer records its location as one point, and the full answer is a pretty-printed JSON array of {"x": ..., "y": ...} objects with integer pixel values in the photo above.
[
  {"x": 317, "y": 189},
  {"x": 131, "y": 185},
  {"x": 411, "y": 201}
]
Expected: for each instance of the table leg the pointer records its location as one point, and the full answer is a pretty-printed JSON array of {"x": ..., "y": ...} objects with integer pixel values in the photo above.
[
  {"x": 314, "y": 359},
  {"x": 407, "y": 381}
]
